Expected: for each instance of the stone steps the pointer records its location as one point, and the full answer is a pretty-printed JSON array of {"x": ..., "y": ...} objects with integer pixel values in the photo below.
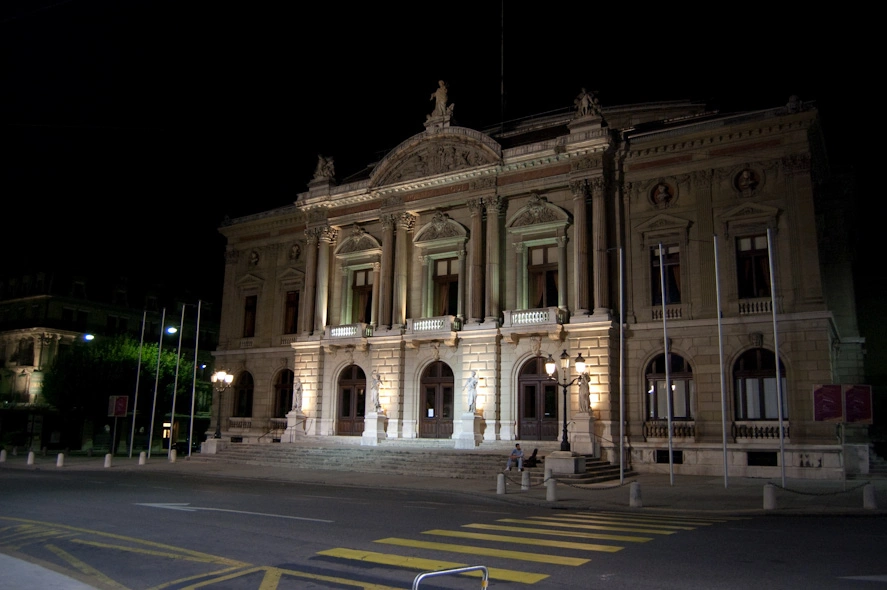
[{"x": 433, "y": 458}]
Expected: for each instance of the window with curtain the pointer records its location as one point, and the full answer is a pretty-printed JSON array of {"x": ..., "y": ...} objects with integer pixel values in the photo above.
[
  {"x": 243, "y": 396},
  {"x": 752, "y": 267},
  {"x": 446, "y": 286},
  {"x": 683, "y": 390},
  {"x": 754, "y": 381},
  {"x": 671, "y": 261},
  {"x": 362, "y": 296},
  {"x": 291, "y": 313},
  {"x": 249, "y": 316},
  {"x": 542, "y": 276},
  {"x": 283, "y": 393}
]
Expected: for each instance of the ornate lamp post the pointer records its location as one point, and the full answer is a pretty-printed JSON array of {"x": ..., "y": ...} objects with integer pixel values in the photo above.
[
  {"x": 550, "y": 368},
  {"x": 221, "y": 381}
]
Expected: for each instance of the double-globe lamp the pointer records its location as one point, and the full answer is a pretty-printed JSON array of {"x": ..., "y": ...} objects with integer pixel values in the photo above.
[
  {"x": 221, "y": 381},
  {"x": 550, "y": 368}
]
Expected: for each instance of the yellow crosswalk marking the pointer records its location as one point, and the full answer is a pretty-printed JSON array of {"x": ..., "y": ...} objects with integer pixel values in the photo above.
[
  {"x": 604, "y": 520},
  {"x": 525, "y": 541},
  {"x": 432, "y": 565},
  {"x": 522, "y": 529},
  {"x": 521, "y": 555},
  {"x": 566, "y": 523}
]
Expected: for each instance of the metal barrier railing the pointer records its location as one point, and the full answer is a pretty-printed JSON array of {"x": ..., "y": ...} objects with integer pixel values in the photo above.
[{"x": 459, "y": 570}]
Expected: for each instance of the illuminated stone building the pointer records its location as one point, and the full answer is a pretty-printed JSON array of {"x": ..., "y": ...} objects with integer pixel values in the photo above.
[{"x": 490, "y": 252}]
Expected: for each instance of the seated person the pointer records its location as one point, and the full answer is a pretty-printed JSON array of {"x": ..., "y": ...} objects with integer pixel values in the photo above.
[
  {"x": 516, "y": 456},
  {"x": 532, "y": 460}
]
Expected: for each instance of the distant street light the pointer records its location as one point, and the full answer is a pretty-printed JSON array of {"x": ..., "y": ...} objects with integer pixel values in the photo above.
[
  {"x": 221, "y": 381},
  {"x": 550, "y": 368}
]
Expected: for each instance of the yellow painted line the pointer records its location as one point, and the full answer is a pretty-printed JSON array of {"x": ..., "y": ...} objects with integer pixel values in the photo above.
[
  {"x": 553, "y": 521},
  {"x": 167, "y": 554},
  {"x": 271, "y": 579},
  {"x": 282, "y": 574},
  {"x": 605, "y": 520},
  {"x": 552, "y": 559},
  {"x": 22, "y": 538},
  {"x": 83, "y": 567},
  {"x": 202, "y": 576},
  {"x": 573, "y": 534},
  {"x": 646, "y": 519},
  {"x": 525, "y": 541},
  {"x": 432, "y": 565},
  {"x": 718, "y": 518}
]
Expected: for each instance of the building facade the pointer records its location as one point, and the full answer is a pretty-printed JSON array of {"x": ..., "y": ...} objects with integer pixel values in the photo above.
[{"x": 673, "y": 249}]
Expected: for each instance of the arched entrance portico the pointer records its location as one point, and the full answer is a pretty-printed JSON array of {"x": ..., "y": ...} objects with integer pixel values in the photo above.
[
  {"x": 437, "y": 388},
  {"x": 352, "y": 401},
  {"x": 536, "y": 403}
]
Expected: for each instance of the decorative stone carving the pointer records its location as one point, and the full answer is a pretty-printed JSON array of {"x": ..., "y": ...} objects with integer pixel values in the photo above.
[
  {"x": 325, "y": 169},
  {"x": 254, "y": 258},
  {"x": 295, "y": 252},
  {"x": 756, "y": 339},
  {"x": 358, "y": 241},
  {"x": 587, "y": 104},
  {"x": 538, "y": 210},
  {"x": 662, "y": 195},
  {"x": 746, "y": 182}
]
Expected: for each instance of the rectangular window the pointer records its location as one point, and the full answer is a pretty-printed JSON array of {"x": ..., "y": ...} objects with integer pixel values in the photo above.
[
  {"x": 446, "y": 286},
  {"x": 756, "y": 399},
  {"x": 752, "y": 267},
  {"x": 671, "y": 261},
  {"x": 683, "y": 392},
  {"x": 249, "y": 316},
  {"x": 542, "y": 276},
  {"x": 291, "y": 313},
  {"x": 362, "y": 296}
]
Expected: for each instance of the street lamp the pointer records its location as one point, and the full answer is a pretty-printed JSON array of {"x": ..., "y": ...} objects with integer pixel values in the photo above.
[
  {"x": 550, "y": 368},
  {"x": 221, "y": 381}
]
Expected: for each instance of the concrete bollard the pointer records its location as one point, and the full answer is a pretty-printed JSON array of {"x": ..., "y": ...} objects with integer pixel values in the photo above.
[
  {"x": 634, "y": 495},
  {"x": 868, "y": 497},
  {"x": 142, "y": 457},
  {"x": 769, "y": 497},
  {"x": 108, "y": 460},
  {"x": 30, "y": 457},
  {"x": 60, "y": 460},
  {"x": 500, "y": 483},
  {"x": 172, "y": 455},
  {"x": 524, "y": 481},
  {"x": 2, "y": 455},
  {"x": 551, "y": 491}
]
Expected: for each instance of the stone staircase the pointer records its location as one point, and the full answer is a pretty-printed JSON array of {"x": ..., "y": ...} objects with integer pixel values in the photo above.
[
  {"x": 877, "y": 465},
  {"x": 429, "y": 457}
]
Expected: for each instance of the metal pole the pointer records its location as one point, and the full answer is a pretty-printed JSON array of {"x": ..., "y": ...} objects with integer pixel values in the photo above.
[
  {"x": 194, "y": 380},
  {"x": 218, "y": 433},
  {"x": 565, "y": 444},
  {"x": 156, "y": 381},
  {"x": 621, "y": 374},
  {"x": 721, "y": 358},
  {"x": 175, "y": 385},
  {"x": 135, "y": 403},
  {"x": 667, "y": 364},
  {"x": 776, "y": 352}
]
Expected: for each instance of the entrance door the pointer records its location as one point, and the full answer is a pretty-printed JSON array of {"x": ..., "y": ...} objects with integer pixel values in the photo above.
[
  {"x": 352, "y": 402},
  {"x": 537, "y": 403},
  {"x": 437, "y": 388}
]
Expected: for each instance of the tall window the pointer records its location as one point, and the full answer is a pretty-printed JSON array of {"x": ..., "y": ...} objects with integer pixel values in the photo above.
[
  {"x": 754, "y": 378},
  {"x": 542, "y": 276},
  {"x": 291, "y": 313},
  {"x": 283, "y": 393},
  {"x": 249, "y": 316},
  {"x": 683, "y": 390},
  {"x": 752, "y": 267},
  {"x": 243, "y": 396},
  {"x": 671, "y": 261},
  {"x": 446, "y": 286},
  {"x": 362, "y": 300}
]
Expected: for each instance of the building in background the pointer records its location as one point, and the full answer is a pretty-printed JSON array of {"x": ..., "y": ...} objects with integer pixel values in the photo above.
[{"x": 422, "y": 297}]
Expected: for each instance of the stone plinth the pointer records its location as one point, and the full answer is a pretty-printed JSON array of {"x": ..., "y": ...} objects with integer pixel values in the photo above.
[
  {"x": 469, "y": 433},
  {"x": 375, "y": 426},
  {"x": 564, "y": 462},
  {"x": 582, "y": 435},
  {"x": 295, "y": 426},
  {"x": 211, "y": 446}
]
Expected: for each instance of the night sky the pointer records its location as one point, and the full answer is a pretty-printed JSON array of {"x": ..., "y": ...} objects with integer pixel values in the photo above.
[{"x": 132, "y": 128}]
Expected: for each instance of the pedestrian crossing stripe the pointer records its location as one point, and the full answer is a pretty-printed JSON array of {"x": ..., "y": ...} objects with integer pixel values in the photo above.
[
  {"x": 606, "y": 520},
  {"x": 485, "y": 551},
  {"x": 568, "y": 522},
  {"x": 525, "y": 541},
  {"x": 552, "y": 532},
  {"x": 432, "y": 565},
  {"x": 688, "y": 517}
]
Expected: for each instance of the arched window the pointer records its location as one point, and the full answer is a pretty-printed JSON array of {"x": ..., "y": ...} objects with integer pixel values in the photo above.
[
  {"x": 283, "y": 393},
  {"x": 754, "y": 379},
  {"x": 243, "y": 396},
  {"x": 683, "y": 390}
]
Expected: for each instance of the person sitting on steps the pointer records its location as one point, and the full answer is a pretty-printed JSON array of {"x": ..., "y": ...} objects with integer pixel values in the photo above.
[
  {"x": 532, "y": 460},
  {"x": 517, "y": 456}
]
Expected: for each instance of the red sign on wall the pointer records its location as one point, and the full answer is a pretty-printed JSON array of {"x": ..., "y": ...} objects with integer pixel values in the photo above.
[
  {"x": 828, "y": 405},
  {"x": 117, "y": 406},
  {"x": 858, "y": 403}
]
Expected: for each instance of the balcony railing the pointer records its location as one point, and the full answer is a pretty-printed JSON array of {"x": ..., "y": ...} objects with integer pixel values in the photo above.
[
  {"x": 758, "y": 430},
  {"x": 533, "y": 317},
  {"x": 672, "y": 312},
  {"x": 679, "y": 429},
  {"x": 240, "y": 422},
  {"x": 444, "y": 323},
  {"x": 351, "y": 331},
  {"x": 756, "y": 306}
]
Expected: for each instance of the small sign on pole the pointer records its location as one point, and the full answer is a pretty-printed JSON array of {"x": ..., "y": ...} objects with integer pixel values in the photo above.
[{"x": 118, "y": 406}]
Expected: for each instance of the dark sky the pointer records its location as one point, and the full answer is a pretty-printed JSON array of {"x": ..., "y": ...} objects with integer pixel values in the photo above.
[{"x": 132, "y": 128}]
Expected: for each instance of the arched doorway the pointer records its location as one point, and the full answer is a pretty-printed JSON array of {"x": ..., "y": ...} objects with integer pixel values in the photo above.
[
  {"x": 352, "y": 401},
  {"x": 536, "y": 402},
  {"x": 437, "y": 389}
]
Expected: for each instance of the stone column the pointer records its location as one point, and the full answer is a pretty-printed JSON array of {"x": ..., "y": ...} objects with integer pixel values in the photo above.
[
  {"x": 580, "y": 246},
  {"x": 387, "y": 277},
  {"x": 306, "y": 315},
  {"x": 321, "y": 300},
  {"x": 599, "y": 240},
  {"x": 460, "y": 305},
  {"x": 475, "y": 269},
  {"x": 562, "y": 272},
  {"x": 708, "y": 289},
  {"x": 374, "y": 311},
  {"x": 493, "y": 300},
  {"x": 405, "y": 223}
]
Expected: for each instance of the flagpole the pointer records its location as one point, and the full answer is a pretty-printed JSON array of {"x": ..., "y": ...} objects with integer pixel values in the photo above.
[
  {"x": 776, "y": 352},
  {"x": 668, "y": 392},
  {"x": 156, "y": 381},
  {"x": 721, "y": 360},
  {"x": 135, "y": 403},
  {"x": 194, "y": 380},
  {"x": 175, "y": 386}
]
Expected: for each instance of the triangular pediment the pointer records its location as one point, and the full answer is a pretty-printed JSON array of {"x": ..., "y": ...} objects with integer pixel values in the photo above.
[
  {"x": 433, "y": 153},
  {"x": 663, "y": 223},
  {"x": 749, "y": 212},
  {"x": 250, "y": 280},
  {"x": 291, "y": 275}
]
